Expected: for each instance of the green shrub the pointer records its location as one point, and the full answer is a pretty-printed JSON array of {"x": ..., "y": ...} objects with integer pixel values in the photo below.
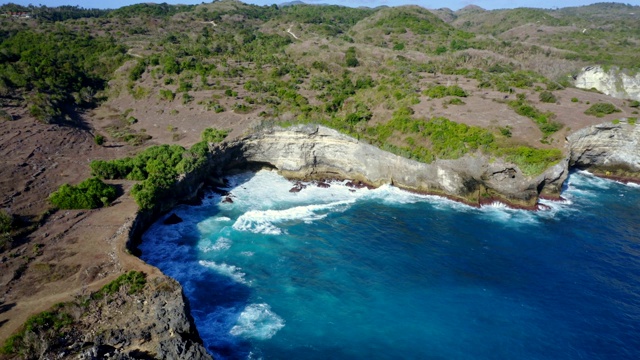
[
  {"x": 166, "y": 94},
  {"x": 89, "y": 194},
  {"x": 184, "y": 86},
  {"x": 574, "y": 99},
  {"x": 615, "y": 121},
  {"x": 135, "y": 280},
  {"x": 242, "y": 108},
  {"x": 99, "y": 139},
  {"x": 454, "y": 101},
  {"x": 350, "y": 57},
  {"x": 213, "y": 135},
  {"x": 506, "y": 131},
  {"x": 634, "y": 104},
  {"x": 632, "y": 120},
  {"x": 601, "y": 109},
  {"x": 441, "y": 49},
  {"x": 137, "y": 70},
  {"x": 6, "y": 223},
  {"x": 547, "y": 97},
  {"x": 186, "y": 98},
  {"x": 531, "y": 161},
  {"x": 440, "y": 91}
]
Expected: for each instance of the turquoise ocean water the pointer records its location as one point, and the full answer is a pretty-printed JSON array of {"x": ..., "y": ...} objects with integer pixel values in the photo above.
[{"x": 383, "y": 274}]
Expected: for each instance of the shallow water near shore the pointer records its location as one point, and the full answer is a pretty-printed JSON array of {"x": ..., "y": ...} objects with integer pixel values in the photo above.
[{"x": 341, "y": 273}]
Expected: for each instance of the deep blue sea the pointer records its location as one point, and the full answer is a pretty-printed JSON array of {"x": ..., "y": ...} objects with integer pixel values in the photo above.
[{"x": 331, "y": 273}]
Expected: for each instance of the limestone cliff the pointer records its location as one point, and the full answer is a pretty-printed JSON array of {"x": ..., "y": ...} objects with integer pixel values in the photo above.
[
  {"x": 318, "y": 152},
  {"x": 612, "y": 82},
  {"x": 607, "y": 149}
]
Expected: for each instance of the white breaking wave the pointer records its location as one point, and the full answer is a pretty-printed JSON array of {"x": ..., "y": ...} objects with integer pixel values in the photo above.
[
  {"x": 265, "y": 221},
  {"x": 230, "y": 271},
  {"x": 257, "y": 321},
  {"x": 221, "y": 244}
]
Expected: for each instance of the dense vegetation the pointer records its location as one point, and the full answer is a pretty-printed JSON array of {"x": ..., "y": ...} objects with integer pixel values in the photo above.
[
  {"x": 157, "y": 167},
  {"x": 89, "y": 194},
  {"x": 56, "y": 70},
  {"x": 364, "y": 74}
]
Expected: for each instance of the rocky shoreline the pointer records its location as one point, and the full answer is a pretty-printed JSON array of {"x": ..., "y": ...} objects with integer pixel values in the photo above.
[{"x": 318, "y": 153}]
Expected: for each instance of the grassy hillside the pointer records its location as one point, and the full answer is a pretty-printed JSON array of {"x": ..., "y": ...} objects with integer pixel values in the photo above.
[{"x": 385, "y": 75}]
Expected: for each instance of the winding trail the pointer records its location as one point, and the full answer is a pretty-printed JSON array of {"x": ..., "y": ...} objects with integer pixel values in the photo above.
[
  {"x": 292, "y": 34},
  {"x": 129, "y": 52}
]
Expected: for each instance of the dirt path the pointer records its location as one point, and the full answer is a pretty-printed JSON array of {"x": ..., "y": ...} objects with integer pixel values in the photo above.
[
  {"x": 85, "y": 250},
  {"x": 292, "y": 34}
]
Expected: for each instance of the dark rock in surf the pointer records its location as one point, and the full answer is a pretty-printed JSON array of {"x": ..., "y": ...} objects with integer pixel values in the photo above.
[{"x": 172, "y": 220}]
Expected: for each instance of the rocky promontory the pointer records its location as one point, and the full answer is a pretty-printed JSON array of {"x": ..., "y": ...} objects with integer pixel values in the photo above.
[
  {"x": 316, "y": 152},
  {"x": 611, "y": 150}
]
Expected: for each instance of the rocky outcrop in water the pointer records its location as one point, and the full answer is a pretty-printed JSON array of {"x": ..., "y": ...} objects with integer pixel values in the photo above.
[
  {"x": 612, "y": 82},
  {"x": 607, "y": 149},
  {"x": 316, "y": 152}
]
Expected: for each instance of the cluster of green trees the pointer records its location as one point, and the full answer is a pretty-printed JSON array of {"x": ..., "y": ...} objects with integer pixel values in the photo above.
[
  {"x": 213, "y": 135},
  {"x": 57, "y": 69},
  {"x": 89, "y": 194},
  {"x": 157, "y": 168},
  {"x": 53, "y": 14},
  {"x": 162, "y": 10}
]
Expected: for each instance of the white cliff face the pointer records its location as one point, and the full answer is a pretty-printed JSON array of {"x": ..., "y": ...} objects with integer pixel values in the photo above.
[
  {"x": 319, "y": 152},
  {"x": 607, "y": 147},
  {"x": 614, "y": 82}
]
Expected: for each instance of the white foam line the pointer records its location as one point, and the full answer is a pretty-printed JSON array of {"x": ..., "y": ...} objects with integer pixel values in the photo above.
[
  {"x": 265, "y": 221},
  {"x": 230, "y": 271}
]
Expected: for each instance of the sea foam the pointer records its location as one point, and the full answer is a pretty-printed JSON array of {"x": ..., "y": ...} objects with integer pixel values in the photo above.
[
  {"x": 266, "y": 221},
  {"x": 230, "y": 271},
  {"x": 221, "y": 244},
  {"x": 257, "y": 321}
]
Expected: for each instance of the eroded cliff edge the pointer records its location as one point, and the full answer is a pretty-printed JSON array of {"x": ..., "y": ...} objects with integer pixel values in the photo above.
[
  {"x": 610, "y": 150},
  {"x": 316, "y": 152}
]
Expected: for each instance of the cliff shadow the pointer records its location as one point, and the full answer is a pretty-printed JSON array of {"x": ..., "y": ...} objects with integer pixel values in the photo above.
[{"x": 6, "y": 307}]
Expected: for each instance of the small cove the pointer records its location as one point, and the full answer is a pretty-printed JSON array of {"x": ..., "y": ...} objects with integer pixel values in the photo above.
[{"x": 383, "y": 273}]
